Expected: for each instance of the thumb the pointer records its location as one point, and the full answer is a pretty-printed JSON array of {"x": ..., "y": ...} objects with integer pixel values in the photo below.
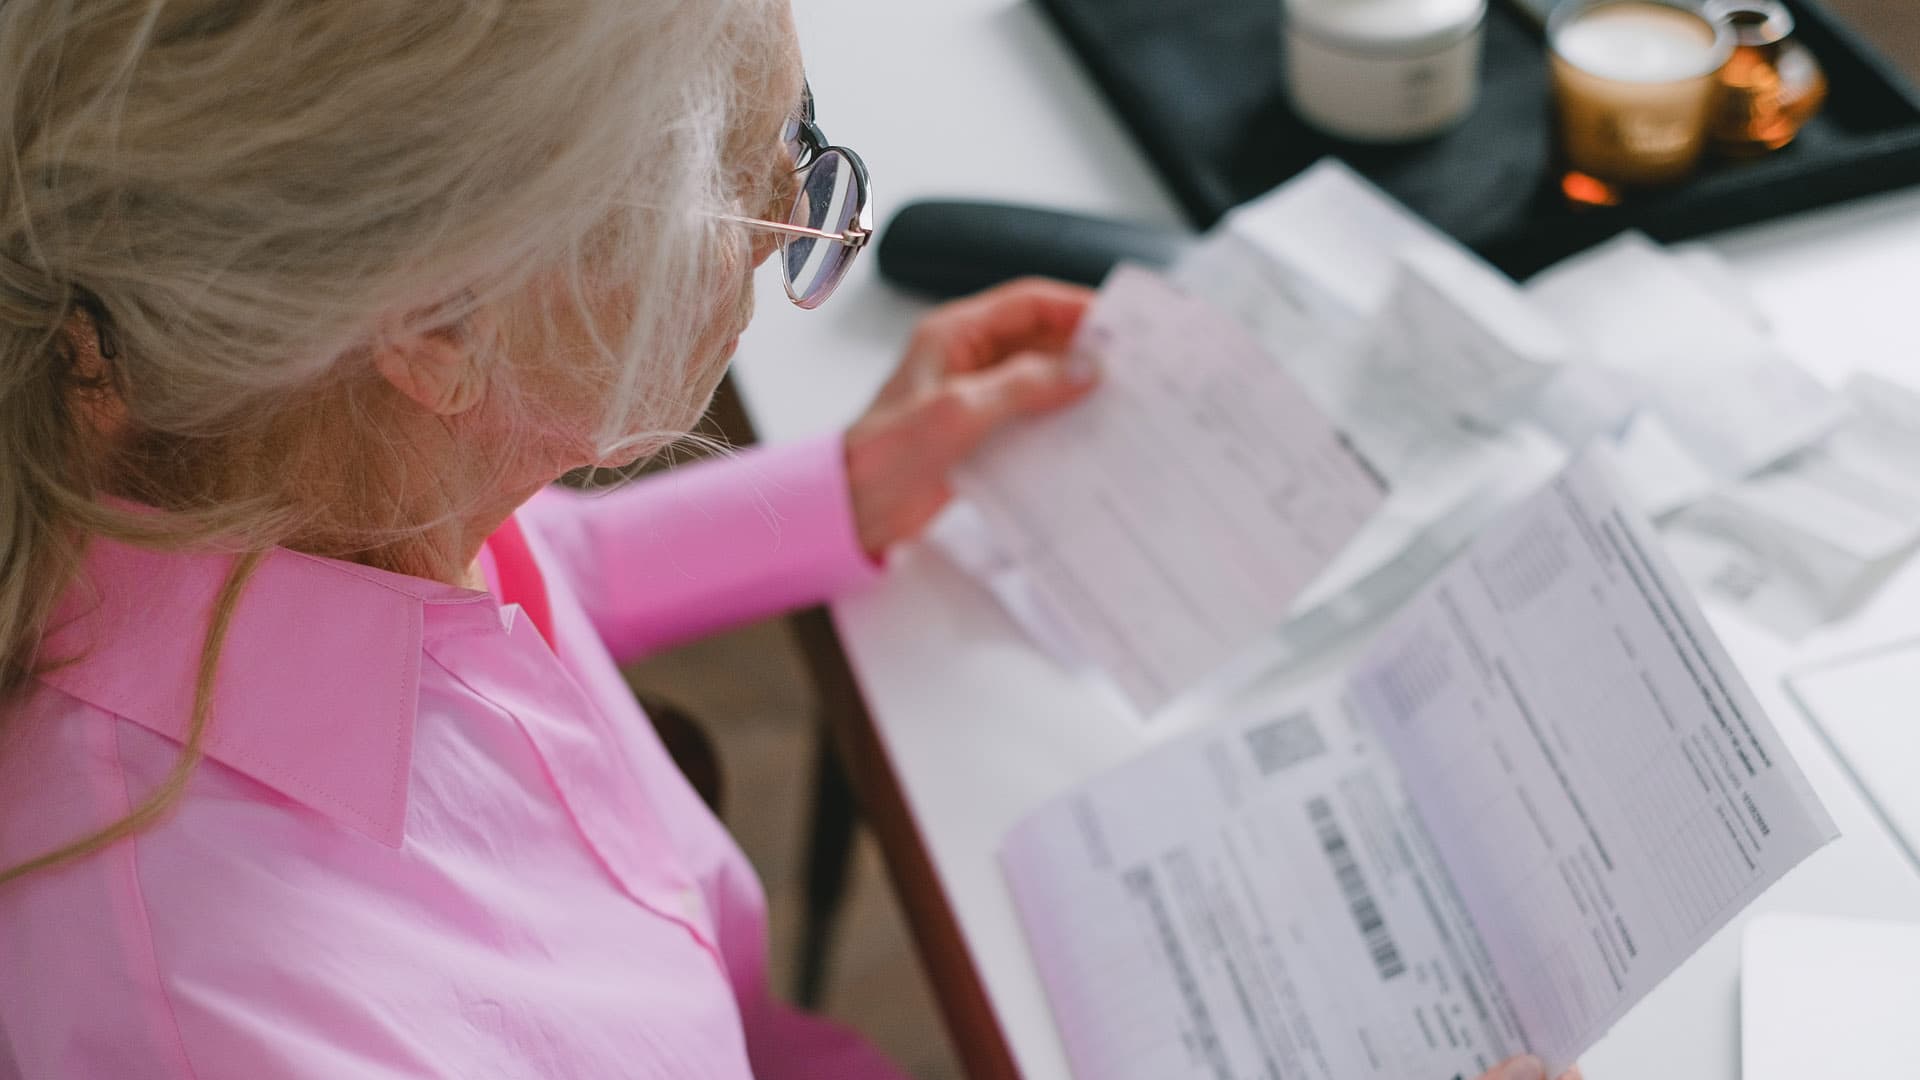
[
  {"x": 1520, "y": 1068},
  {"x": 1029, "y": 384}
]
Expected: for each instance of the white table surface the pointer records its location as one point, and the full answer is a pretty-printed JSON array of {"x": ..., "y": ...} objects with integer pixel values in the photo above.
[{"x": 978, "y": 99}]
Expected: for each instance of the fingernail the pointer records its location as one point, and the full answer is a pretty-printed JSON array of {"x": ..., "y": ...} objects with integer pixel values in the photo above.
[
  {"x": 1522, "y": 1068},
  {"x": 1081, "y": 367}
]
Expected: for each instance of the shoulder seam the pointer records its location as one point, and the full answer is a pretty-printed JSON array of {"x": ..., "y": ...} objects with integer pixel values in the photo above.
[{"x": 146, "y": 919}]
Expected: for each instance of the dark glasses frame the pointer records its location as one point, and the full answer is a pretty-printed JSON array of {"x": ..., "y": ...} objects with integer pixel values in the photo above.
[{"x": 810, "y": 150}]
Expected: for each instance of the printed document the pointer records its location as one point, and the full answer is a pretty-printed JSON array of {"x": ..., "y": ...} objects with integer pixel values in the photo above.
[
  {"x": 1173, "y": 517},
  {"x": 1535, "y": 793}
]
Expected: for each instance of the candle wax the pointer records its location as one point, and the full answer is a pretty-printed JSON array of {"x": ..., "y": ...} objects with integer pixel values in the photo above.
[{"x": 1641, "y": 43}]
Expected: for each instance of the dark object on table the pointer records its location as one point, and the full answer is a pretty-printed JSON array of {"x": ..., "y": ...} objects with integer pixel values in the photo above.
[
  {"x": 954, "y": 248},
  {"x": 1199, "y": 84},
  {"x": 1772, "y": 86}
]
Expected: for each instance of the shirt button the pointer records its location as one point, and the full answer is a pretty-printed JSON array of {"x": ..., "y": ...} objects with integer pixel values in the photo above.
[{"x": 693, "y": 903}]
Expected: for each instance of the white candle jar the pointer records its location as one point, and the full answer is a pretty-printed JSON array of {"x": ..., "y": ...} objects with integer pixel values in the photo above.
[{"x": 1384, "y": 71}]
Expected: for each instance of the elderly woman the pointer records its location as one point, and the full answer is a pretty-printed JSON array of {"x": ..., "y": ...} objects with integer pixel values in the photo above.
[{"x": 315, "y": 758}]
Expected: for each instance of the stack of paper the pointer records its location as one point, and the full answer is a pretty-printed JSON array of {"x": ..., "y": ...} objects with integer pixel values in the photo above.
[
  {"x": 1535, "y": 783},
  {"x": 1728, "y": 399},
  {"x": 1539, "y": 789},
  {"x": 1460, "y": 391},
  {"x": 1811, "y": 538}
]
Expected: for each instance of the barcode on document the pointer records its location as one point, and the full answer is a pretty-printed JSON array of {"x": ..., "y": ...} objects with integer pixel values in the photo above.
[{"x": 1353, "y": 888}]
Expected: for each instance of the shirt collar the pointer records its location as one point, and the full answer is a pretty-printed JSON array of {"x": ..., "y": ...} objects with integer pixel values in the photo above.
[{"x": 318, "y": 679}]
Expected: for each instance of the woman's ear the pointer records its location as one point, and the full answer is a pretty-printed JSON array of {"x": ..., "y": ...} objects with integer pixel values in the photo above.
[{"x": 434, "y": 369}]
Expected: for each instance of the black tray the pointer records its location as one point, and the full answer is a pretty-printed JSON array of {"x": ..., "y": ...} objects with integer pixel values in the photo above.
[{"x": 1199, "y": 84}]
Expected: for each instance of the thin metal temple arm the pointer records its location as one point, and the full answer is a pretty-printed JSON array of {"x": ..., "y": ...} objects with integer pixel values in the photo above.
[{"x": 854, "y": 237}]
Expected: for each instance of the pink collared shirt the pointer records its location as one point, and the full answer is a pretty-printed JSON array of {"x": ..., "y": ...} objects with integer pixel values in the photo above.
[{"x": 424, "y": 843}]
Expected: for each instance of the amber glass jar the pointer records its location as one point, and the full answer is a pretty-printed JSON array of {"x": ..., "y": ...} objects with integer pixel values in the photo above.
[{"x": 1772, "y": 85}]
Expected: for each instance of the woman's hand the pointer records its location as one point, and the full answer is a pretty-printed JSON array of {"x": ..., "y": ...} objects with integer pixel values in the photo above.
[
  {"x": 1526, "y": 1068},
  {"x": 971, "y": 366}
]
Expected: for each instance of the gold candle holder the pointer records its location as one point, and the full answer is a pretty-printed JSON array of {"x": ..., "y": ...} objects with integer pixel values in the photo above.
[{"x": 1635, "y": 85}]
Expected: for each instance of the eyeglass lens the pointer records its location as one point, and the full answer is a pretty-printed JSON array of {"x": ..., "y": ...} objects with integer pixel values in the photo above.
[
  {"x": 829, "y": 201},
  {"x": 796, "y": 134}
]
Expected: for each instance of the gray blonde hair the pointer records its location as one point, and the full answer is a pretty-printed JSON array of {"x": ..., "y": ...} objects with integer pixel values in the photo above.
[{"x": 238, "y": 198}]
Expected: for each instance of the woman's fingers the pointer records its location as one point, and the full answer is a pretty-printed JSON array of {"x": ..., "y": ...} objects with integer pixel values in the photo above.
[
  {"x": 973, "y": 366},
  {"x": 1526, "y": 1067},
  {"x": 1520, "y": 1068},
  {"x": 1031, "y": 314},
  {"x": 1027, "y": 384}
]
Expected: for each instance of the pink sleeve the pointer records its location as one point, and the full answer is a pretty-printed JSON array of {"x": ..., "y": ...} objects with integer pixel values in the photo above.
[{"x": 705, "y": 547}]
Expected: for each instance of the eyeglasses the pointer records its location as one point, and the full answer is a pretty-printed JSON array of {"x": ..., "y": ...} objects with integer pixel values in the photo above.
[{"x": 831, "y": 219}]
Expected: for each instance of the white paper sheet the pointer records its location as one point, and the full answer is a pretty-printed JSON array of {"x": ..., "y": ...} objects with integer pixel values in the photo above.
[
  {"x": 1807, "y": 541},
  {"x": 1450, "y": 361},
  {"x": 1860, "y": 491},
  {"x": 1339, "y": 231},
  {"x": 1868, "y": 707},
  {"x": 1414, "y": 347},
  {"x": 1256, "y": 900},
  {"x": 1461, "y": 338},
  {"x": 965, "y": 536},
  {"x": 1427, "y": 388},
  {"x": 1712, "y": 272},
  {"x": 1284, "y": 308},
  {"x": 1539, "y": 790},
  {"x": 1453, "y": 481},
  {"x": 1174, "y": 516},
  {"x": 1635, "y": 307},
  {"x": 1438, "y": 501},
  {"x": 1727, "y": 392},
  {"x": 1662, "y": 475},
  {"x": 1745, "y": 416},
  {"x": 1824, "y": 997},
  {"x": 1601, "y": 784},
  {"x": 1587, "y": 402}
]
